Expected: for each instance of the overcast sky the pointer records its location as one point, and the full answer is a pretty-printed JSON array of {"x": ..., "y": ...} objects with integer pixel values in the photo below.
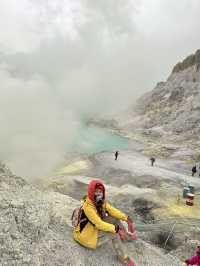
[{"x": 61, "y": 59}]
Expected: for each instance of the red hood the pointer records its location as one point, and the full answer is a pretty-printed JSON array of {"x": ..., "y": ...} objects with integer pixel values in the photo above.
[{"x": 91, "y": 188}]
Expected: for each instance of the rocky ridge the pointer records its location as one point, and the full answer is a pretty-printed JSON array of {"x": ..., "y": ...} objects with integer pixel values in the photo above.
[{"x": 191, "y": 60}]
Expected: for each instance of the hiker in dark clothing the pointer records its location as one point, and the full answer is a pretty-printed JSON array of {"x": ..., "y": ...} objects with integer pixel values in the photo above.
[
  {"x": 152, "y": 159},
  {"x": 194, "y": 170},
  {"x": 116, "y": 155}
]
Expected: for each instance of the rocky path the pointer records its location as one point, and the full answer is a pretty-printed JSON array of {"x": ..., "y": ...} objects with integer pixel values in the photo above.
[{"x": 137, "y": 164}]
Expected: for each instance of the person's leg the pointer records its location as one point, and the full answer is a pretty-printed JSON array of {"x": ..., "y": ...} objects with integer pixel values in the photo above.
[
  {"x": 118, "y": 248},
  {"x": 105, "y": 238},
  {"x": 120, "y": 252}
]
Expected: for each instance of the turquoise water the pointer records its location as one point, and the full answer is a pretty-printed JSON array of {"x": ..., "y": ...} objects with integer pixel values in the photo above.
[{"x": 92, "y": 140}]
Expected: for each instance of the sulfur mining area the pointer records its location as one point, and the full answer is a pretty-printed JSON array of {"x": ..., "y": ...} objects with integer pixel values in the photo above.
[
  {"x": 35, "y": 218},
  {"x": 163, "y": 200}
]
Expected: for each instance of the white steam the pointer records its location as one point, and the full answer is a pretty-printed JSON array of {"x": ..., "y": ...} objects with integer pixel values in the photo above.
[{"x": 62, "y": 60}]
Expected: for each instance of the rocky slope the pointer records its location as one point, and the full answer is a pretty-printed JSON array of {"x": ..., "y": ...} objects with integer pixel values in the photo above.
[
  {"x": 35, "y": 230},
  {"x": 168, "y": 117},
  {"x": 174, "y": 105}
]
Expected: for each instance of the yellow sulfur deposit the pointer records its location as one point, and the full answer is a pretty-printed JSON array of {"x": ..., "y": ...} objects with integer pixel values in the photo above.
[
  {"x": 173, "y": 208},
  {"x": 74, "y": 167}
]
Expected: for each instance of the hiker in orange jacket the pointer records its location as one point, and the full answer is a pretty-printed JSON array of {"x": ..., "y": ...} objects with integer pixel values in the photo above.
[{"x": 94, "y": 229}]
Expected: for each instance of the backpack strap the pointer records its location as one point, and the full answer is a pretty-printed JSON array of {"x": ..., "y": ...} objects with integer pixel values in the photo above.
[{"x": 83, "y": 220}]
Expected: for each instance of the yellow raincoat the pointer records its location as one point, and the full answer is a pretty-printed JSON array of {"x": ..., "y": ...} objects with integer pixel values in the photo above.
[{"x": 89, "y": 235}]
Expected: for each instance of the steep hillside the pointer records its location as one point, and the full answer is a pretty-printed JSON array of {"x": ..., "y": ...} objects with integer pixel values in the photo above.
[
  {"x": 174, "y": 105},
  {"x": 169, "y": 115}
]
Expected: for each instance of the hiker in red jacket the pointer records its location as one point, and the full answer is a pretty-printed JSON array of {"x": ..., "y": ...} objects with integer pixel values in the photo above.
[{"x": 195, "y": 260}]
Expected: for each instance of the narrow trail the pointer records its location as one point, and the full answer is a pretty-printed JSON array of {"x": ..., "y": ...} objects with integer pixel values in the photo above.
[{"x": 139, "y": 165}]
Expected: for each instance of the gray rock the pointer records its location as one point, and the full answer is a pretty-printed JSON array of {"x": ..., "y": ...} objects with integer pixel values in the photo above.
[{"x": 35, "y": 229}]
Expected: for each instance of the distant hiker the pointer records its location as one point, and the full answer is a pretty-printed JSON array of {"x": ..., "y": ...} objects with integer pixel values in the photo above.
[
  {"x": 195, "y": 260},
  {"x": 116, "y": 155},
  {"x": 199, "y": 170},
  {"x": 99, "y": 223},
  {"x": 152, "y": 159},
  {"x": 194, "y": 170},
  {"x": 178, "y": 198}
]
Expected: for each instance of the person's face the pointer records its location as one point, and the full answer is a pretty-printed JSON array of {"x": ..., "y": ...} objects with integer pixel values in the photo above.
[{"x": 98, "y": 193}]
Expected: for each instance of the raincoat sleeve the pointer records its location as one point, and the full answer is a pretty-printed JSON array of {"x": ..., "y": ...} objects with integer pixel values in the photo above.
[
  {"x": 94, "y": 218},
  {"x": 115, "y": 212},
  {"x": 193, "y": 261}
]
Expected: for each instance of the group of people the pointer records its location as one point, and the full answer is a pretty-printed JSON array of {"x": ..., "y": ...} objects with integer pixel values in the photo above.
[{"x": 152, "y": 159}]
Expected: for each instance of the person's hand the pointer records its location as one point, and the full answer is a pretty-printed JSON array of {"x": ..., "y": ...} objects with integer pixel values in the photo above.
[
  {"x": 131, "y": 225},
  {"x": 133, "y": 236},
  {"x": 121, "y": 232}
]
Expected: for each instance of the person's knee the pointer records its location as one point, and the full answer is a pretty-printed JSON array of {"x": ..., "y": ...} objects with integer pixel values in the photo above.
[
  {"x": 114, "y": 237},
  {"x": 110, "y": 219}
]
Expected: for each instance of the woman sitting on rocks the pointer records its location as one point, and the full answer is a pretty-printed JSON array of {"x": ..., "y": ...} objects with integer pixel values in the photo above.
[{"x": 99, "y": 223}]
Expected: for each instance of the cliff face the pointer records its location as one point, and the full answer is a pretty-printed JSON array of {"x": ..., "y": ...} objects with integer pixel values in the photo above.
[
  {"x": 174, "y": 105},
  {"x": 191, "y": 60}
]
